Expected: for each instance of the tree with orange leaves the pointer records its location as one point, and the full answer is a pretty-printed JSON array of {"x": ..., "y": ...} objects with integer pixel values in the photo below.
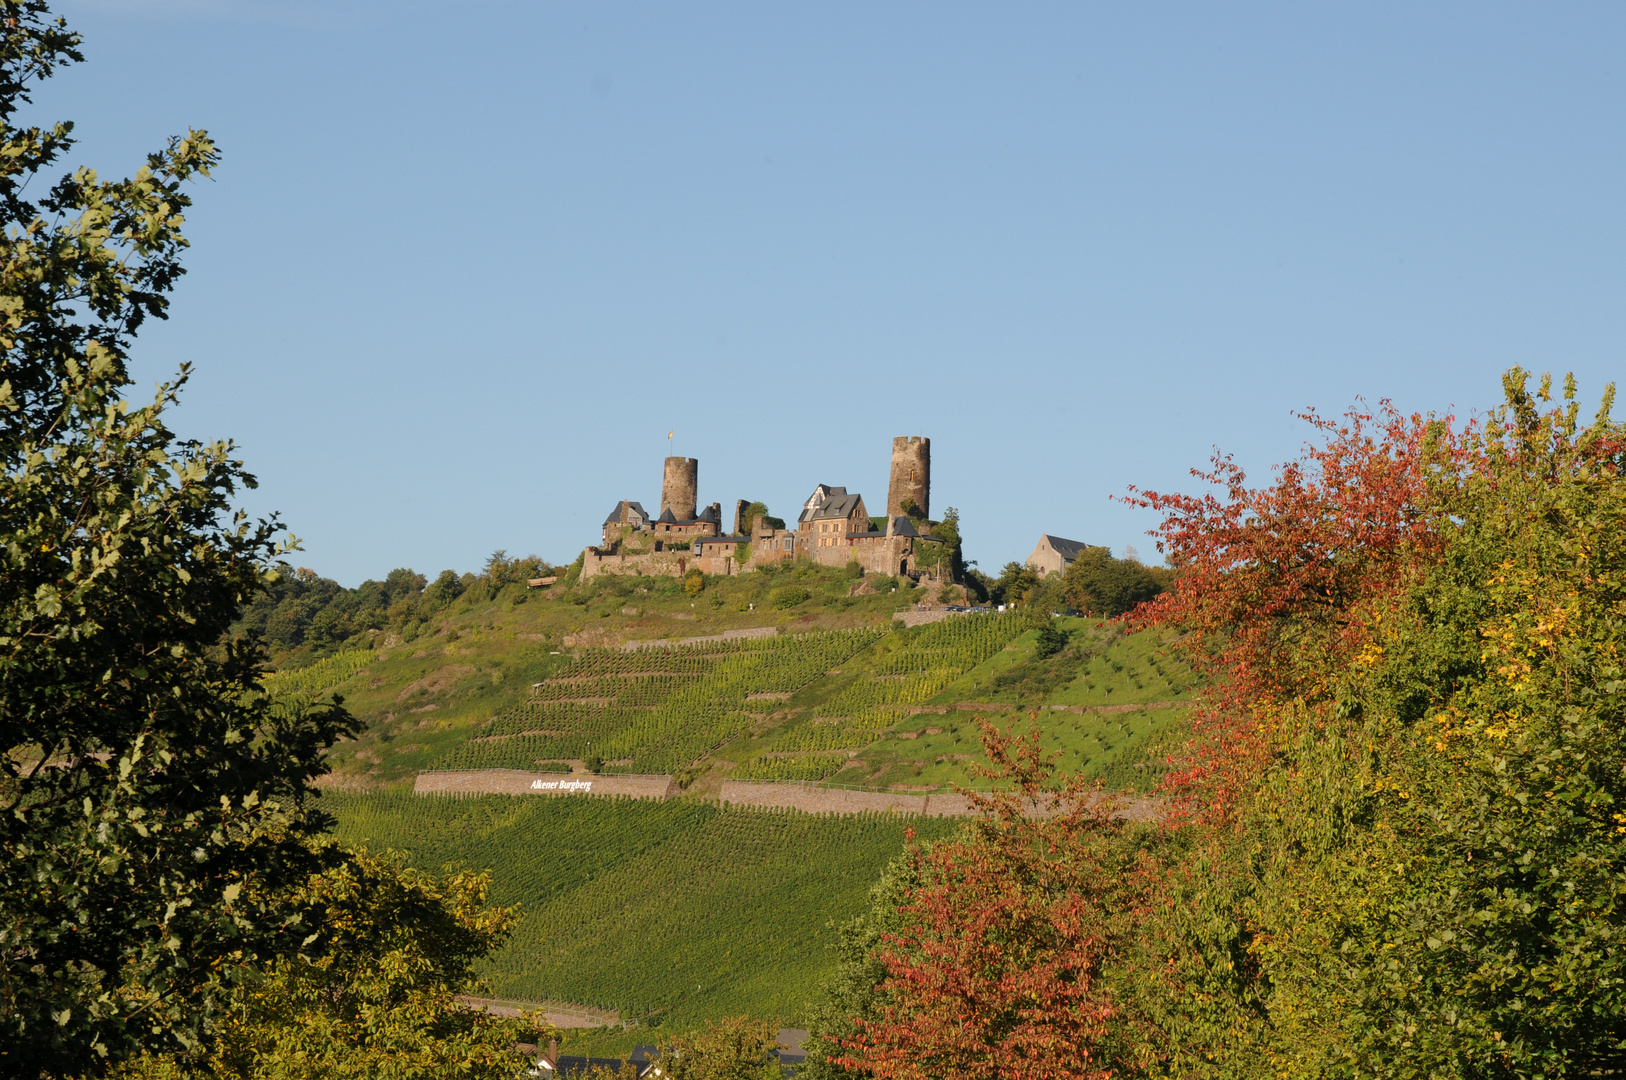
[
  {"x": 989, "y": 953},
  {"x": 1272, "y": 580}
]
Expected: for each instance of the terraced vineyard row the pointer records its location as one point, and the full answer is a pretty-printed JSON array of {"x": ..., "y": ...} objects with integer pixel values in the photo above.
[
  {"x": 796, "y": 767},
  {"x": 942, "y": 653},
  {"x": 858, "y": 715},
  {"x": 658, "y": 740},
  {"x": 959, "y": 644},
  {"x": 673, "y": 912},
  {"x": 637, "y": 715},
  {"x": 319, "y": 676},
  {"x": 643, "y": 689},
  {"x": 615, "y": 706},
  {"x": 692, "y": 661}
]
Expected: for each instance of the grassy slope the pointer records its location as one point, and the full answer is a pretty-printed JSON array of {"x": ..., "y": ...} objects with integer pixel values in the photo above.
[{"x": 632, "y": 905}]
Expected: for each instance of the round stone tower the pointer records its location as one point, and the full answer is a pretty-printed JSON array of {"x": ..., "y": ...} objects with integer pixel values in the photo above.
[
  {"x": 678, "y": 487},
  {"x": 911, "y": 475}
]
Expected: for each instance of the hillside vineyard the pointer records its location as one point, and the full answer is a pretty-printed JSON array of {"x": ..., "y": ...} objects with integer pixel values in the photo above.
[{"x": 658, "y": 711}]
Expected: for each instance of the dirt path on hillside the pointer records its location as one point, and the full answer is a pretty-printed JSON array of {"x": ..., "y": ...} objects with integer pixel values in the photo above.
[{"x": 559, "y": 1014}]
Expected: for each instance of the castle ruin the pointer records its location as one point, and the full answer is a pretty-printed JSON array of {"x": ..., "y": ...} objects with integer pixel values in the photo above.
[{"x": 834, "y": 528}]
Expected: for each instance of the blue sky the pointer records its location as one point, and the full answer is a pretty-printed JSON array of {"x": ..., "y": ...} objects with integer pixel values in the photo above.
[{"x": 465, "y": 265}]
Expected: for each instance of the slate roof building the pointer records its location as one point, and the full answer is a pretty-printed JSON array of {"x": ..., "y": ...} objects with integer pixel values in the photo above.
[
  {"x": 1054, "y": 554},
  {"x": 627, "y": 512},
  {"x": 829, "y": 517},
  {"x": 821, "y": 494}
]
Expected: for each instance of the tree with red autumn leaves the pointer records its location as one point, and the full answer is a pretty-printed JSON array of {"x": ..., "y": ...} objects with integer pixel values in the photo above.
[
  {"x": 986, "y": 954},
  {"x": 1271, "y": 579},
  {"x": 1401, "y": 845}
]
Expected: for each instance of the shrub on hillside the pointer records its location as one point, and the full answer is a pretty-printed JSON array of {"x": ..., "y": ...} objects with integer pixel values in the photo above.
[
  {"x": 789, "y": 596},
  {"x": 1051, "y": 641}
]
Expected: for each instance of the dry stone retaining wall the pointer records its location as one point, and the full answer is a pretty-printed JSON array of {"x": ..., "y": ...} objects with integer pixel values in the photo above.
[
  {"x": 726, "y": 635},
  {"x": 819, "y": 800},
  {"x": 808, "y": 798},
  {"x": 520, "y": 782},
  {"x": 920, "y": 617}
]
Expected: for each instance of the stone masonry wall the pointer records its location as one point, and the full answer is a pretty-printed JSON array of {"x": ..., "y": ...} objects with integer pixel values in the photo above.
[
  {"x": 771, "y": 546},
  {"x": 519, "y": 782},
  {"x": 888, "y": 555},
  {"x": 654, "y": 564},
  {"x": 818, "y": 800}
]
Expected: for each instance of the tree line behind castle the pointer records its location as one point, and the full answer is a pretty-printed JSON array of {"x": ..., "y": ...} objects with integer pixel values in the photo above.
[{"x": 685, "y": 547}]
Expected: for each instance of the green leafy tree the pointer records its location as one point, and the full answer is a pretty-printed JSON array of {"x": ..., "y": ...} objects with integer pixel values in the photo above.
[
  {"x": 1411, "y": 848},
  {"x": 855, "y": 993},
  {"x": 738, "y": 1048},
  {"x": 1099, "y": 585},
  {"x": 445, "y": 588},
  {"x": 948, "y": 531},
  {"x": 1015, "y": 583},
  {"x": 754, "y": 512},
  {"x": 151, "y": 799},
  {"x": 372, "y": 992},
  {"x": 1483, "y": 733}
]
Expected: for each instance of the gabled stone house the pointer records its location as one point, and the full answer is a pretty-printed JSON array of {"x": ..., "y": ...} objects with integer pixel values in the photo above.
[
  {"x": 1054, "y": 554},
  {"x": 830, "y": 516}
]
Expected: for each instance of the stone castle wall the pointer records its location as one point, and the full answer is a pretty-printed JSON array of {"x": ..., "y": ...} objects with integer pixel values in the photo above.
[
  {"x": 890, "y": 555},
  {"x": 596, "y": 561},
  {"x": 771, "y": 546}
]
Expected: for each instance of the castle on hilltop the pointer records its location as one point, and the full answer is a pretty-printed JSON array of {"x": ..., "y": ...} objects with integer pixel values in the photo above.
[{"x": 834, "y": 527}]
